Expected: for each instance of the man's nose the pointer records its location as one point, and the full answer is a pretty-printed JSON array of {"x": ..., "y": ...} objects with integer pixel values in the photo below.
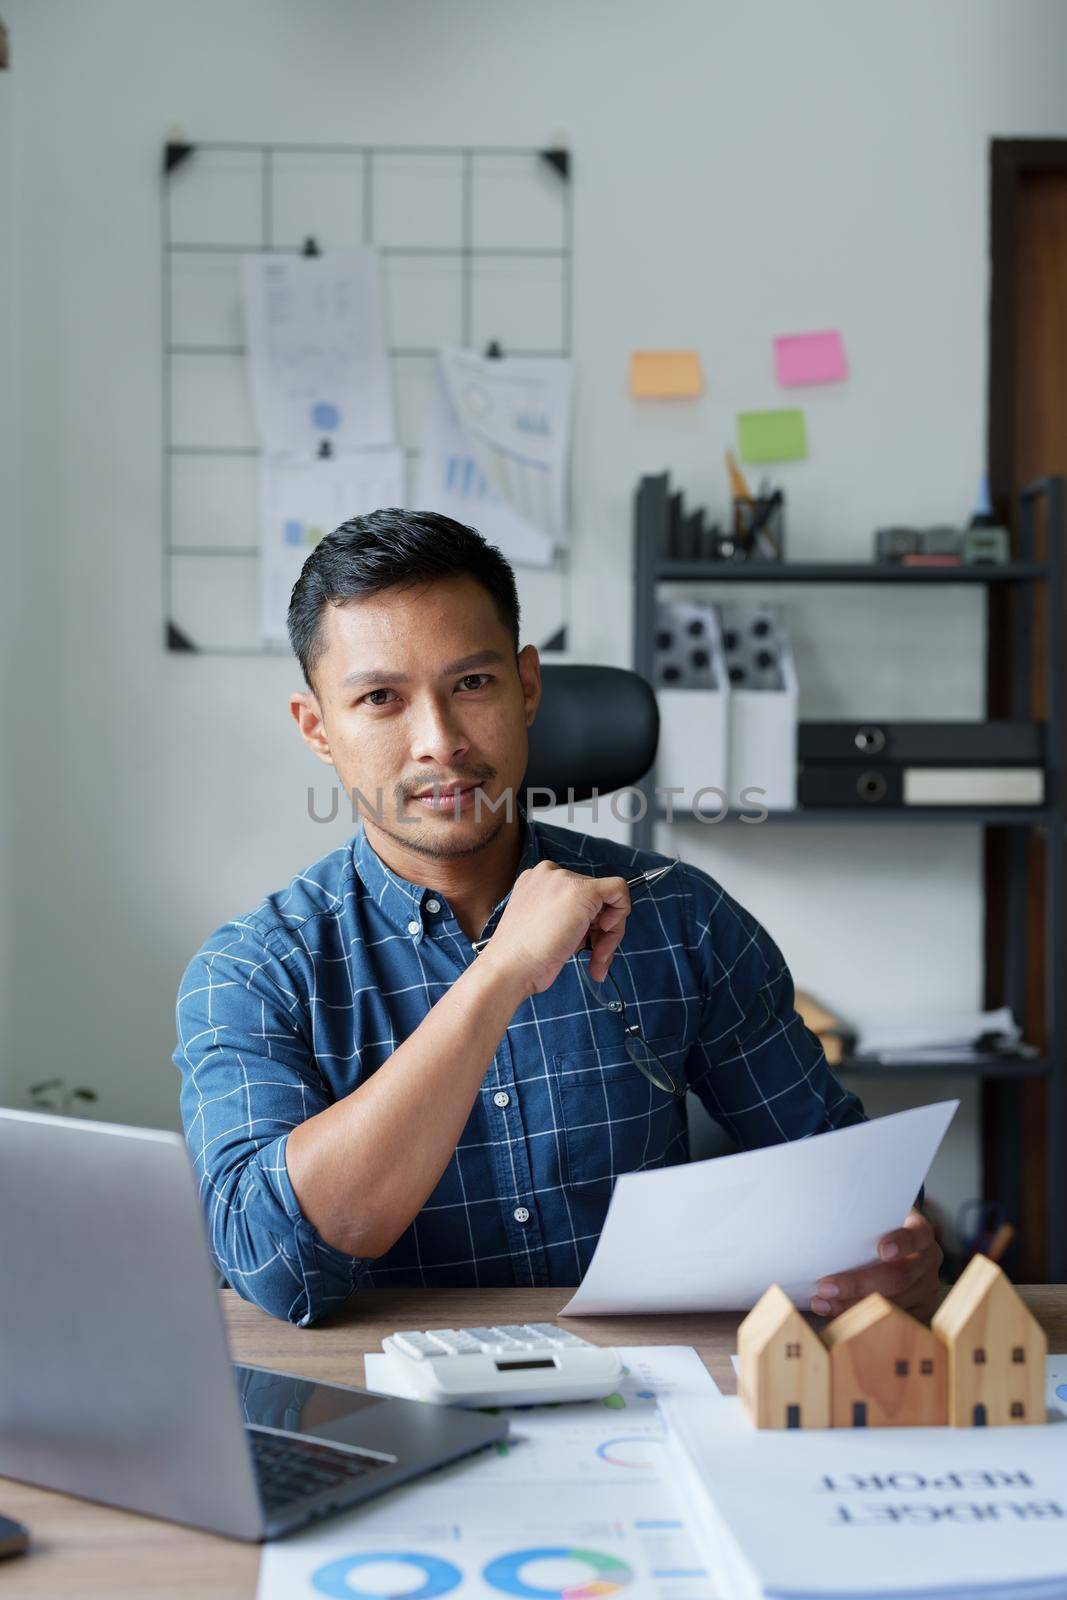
[{"x": 438, "y": 736}]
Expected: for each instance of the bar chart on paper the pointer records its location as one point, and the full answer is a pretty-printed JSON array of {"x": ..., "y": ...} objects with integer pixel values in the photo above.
[{"x": 578, "y": 1503}]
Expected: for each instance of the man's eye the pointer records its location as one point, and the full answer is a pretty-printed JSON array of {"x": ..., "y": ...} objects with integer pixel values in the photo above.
[
  {"x": 375, "y": 698},
  {"x": 475, "y": 680}
]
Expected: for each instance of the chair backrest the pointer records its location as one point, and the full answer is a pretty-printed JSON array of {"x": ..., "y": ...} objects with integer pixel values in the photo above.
[{"x": 596, "y": 729}]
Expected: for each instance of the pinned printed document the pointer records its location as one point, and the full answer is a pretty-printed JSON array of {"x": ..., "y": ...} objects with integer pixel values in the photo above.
[
  {"x": 801, "y": 358},
  {"x": 317, "y": 353},
  {"x": 303, "y": 498},
  {"x": 713, "y": 1235},
  {"x": 496, "y": 451},
  {"x": 772, "y": 435},
  {"x": 665, "y": 375}
]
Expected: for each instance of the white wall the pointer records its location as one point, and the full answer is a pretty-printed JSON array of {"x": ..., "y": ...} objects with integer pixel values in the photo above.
[
  {"x": 10, "y": 545},
  {"x": 740, "y": 170}
]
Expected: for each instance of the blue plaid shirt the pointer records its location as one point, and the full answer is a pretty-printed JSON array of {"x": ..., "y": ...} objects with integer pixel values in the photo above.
[{"x": 291, "y": 1008}]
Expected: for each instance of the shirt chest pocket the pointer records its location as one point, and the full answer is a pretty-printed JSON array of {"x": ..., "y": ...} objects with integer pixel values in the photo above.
[{"x": 613, "y": 1120}]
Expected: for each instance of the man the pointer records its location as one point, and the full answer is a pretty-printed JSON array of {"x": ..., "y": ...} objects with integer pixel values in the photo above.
[{"x": 369, "y": 1100}]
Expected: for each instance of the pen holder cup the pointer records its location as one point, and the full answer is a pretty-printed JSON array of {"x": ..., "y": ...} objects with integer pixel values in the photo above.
[{"x": 759, "y": 526}]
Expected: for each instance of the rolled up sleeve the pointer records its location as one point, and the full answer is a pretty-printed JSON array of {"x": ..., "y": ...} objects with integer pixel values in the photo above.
[
  {"x": 249, "y": 1078},
  {"x": 759, "y": 1071}
]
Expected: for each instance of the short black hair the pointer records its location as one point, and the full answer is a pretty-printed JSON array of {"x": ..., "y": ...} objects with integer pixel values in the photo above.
[{"x": 390, "y": 549}]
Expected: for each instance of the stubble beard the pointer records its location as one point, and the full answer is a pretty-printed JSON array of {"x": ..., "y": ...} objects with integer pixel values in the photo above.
[{"x": 435, "y": 845}]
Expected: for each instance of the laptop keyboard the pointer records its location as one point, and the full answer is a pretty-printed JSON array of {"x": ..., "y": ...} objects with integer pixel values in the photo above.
[{"x": 293, "y": 1469}]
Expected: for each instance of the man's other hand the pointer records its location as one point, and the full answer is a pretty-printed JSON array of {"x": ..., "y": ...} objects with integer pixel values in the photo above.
[{"x": 906, "y": 1273}]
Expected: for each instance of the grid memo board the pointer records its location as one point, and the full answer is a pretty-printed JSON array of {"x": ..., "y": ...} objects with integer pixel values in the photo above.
[{"x": 476, "y": 251}]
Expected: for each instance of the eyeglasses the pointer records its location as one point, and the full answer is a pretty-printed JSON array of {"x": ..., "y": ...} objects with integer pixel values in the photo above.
[{"x": 609, "y": 995}]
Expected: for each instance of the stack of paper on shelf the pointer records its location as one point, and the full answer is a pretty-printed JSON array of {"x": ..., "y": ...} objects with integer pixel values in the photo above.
[
  {"x": 950, "y": 1037},
  {"x": 841, "y": 1514}
]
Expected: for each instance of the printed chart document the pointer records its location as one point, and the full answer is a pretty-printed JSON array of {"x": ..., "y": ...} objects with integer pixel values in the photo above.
[
  {"x": 947, "y": 1512},
  {"x": 303, "y": 498},
  {"x": 580, "y": 1500},
  {"x": 317, "y": 353},
  {"x": 712, "y": 1235},
  {"x": 451, "y": 480},
  {"x": 496, "y": 450}
]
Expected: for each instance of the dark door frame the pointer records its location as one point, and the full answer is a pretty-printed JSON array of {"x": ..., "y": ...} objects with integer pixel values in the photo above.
[
  {"x": 1011, "y": 160},
  {"x": 1013, "y": 1113}
]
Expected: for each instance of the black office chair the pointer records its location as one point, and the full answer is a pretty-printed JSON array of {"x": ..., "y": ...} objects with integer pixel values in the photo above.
[{"x": 596, "y": 729}]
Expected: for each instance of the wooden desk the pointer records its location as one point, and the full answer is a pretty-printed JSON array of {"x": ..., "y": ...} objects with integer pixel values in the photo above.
[{"x": 87, "y": 1552}]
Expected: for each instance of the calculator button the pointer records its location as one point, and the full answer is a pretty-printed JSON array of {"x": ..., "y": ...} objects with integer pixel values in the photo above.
[
  {"x": 416, "y": 1345},
  {"x": 549, "y": 1331},
  {"x": 457, "y": 1343}
]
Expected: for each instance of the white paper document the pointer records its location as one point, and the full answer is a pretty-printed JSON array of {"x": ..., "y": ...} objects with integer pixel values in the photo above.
[
  {"x": 947, "y": 1512},
  {"x": 581, "y": 1500},
  {"x": 303, "y": 498},
  {"x": 496, "y": 450},
  {"x": 713, "y": 1235},
  {"x": 317, "y": 353}
]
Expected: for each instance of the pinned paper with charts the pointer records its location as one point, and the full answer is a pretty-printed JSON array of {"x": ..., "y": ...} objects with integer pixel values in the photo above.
[
  {"x": 578, "y": 1502},
  {"x": 303, "y": 498},
  {"x": 317, "y": 355},
  {"x": 496, "y": 451}
]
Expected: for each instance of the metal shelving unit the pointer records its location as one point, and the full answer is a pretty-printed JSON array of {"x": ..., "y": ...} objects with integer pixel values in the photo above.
[{"x": 1025, "y": 577}]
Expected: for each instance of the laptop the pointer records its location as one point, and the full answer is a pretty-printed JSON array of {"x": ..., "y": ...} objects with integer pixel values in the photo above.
[{"x": 115, "y": 1377}]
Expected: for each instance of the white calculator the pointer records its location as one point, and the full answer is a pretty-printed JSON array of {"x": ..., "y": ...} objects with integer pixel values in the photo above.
[{"x": 522, "y": 1364}]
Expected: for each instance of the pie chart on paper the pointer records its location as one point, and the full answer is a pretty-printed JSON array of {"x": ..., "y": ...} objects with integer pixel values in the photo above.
[{"x": 547, "y": 1572}]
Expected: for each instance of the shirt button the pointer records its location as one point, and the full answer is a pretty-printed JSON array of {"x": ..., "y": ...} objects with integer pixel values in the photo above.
[
  {"x": 414, "y": 927},
  {"x": 433, "y": 905},
  {"x": 521, "y": 1214},
  {"x": 501, "y": 1099}
]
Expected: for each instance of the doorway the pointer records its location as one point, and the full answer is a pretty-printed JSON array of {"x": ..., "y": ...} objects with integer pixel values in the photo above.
[{"x": 1027, "y": 440}]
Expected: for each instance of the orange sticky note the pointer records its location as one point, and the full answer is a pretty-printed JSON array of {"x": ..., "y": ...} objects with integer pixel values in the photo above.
[{"x": 665, "y": 375}]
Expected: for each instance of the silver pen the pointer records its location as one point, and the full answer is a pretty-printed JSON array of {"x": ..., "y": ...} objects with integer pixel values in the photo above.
[{"x": 653, "y": 875}]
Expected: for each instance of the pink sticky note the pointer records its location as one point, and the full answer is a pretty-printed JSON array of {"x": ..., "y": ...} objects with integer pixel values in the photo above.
[{"x": 809, "y": 358}]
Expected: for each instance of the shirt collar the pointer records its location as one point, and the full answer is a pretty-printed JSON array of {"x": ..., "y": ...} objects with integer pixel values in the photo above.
[{"x": 402, "y": 902}]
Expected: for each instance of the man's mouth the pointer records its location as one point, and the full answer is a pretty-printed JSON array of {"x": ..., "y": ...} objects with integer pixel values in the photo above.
[{"x": 449, "y": 797}]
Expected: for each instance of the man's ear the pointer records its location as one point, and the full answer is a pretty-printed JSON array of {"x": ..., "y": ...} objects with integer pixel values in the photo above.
[
  {"x": 308, "y": 717},
  {"x": 529, "y": 664}
]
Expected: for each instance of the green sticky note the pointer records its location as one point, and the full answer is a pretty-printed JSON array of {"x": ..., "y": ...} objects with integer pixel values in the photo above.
[{"x": 772, "y": 435}]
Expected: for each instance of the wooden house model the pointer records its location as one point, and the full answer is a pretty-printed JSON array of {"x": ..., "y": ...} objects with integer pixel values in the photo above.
[
  {"x": 783, "y": 1366},
  {"x": 996, "y": 1350},
  {"x": 886, "y": 1369},
  {"x": 982, "y": 1363}
]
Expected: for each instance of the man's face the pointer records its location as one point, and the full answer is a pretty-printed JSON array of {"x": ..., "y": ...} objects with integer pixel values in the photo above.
[{"x": 420, "y": 700}]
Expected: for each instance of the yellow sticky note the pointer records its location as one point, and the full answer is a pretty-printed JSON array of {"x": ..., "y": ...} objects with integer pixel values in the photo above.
[{"x": 665, "y": 375}]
